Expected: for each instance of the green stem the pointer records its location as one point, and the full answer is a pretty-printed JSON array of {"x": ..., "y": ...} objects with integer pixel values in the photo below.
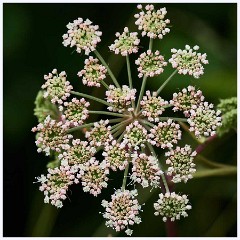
[
  {"x": 80, "y": 127},
  {"x": 166, "y": 82},
  {"x": 108, "y": 69},
  {"x": 162, "y": 175},
  {"x": 125, "y": 177},
  {"x": 90, "y": 97},
  {"x": 204, "y": 160},
  {"x": 173, "y": 118},
  {"x": 225, "y": 171},
  {"x": 107, "y": 113},
  {"x": 144, "y": 80},
  {"x": 141, "y": 93},
  {"x": 104, "y": 84},
  {"x": 147, "y": 123},
  {"x": 150, "y": 44},
  {"x": 121, "y": 123},
  {"x": 130, "y": 78},
  {"x": 121, "y": 137},
  {"x": 129, "y": 72}
]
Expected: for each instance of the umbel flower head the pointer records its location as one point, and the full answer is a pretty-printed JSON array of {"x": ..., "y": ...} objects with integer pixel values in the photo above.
[
  {"x": 123, "y": 210},
  {"x": 100, "y": 133},
  {"x": 187, "y": 99},
  {"x": 165, "y": 134},
  {"x": 78, "y": 153},
  {"x": 150, "y": 64},
  {"x": 181, "y": 163},
  {"x": 151, "y": 22},
  {"x": 56, "y": 87},
  {"x": 94, "y": 176},
  {"x": 116, "y": 155},
  {"x": 120, "y": 98},
  {"x": 152, "y": 106},
  {"x": 136, "y": 136},
  {"x": 93, "y": 72},
  {"x": 83, "y": 35},
  {"x": 188, "y": 61},
  {"x": 75, "y": 112},
  {"x": 52, "y": 136},
  {"x": 56, "y": 183},
  {"x": 204, "y": 120},
  {"x": 126, "y": 43},
  {"x": 145, "y": 170},
  {"x": 172, "y": 206}
]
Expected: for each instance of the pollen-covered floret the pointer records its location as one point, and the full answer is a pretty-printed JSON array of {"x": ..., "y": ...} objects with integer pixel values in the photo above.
[
  {"x": 181, "y": 163},
  {"x": 52, "y": 136},
  {"x": 100, "y": 134},
  {"x": 145, "y": 170},
  {"x": 151, "y": 22},
  {"x": 165, "y": 134},
  {"x": 150, "y": 64},
  {"x": 172, "y": 206},
  {"x": 115, "y": 155},
  {"x": 126, "y": 43},
  {"x": 136, "y": 136},
  {"x": 94, "y": 176},
  {"x": 79, "y": 153},
  {"x": 75, "y": 112},
  {"x": 56, "y": 87},
  {"x": 188, "y": 61},
  {"x": 204, "y": 120},
  {"x": 83, "y": 35},
  {"x": 120, "y": 98},
  {"x": 186, "y": 100},
  {"x": 123, "y": 210},
  {"x": 93, "y": 72},
  {"x": 152, "y": 106},
  {"x": 56, "y": 183}
]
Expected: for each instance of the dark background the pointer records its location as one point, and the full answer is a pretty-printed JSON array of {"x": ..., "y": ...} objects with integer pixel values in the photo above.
[{"x": 33, "y": 47}]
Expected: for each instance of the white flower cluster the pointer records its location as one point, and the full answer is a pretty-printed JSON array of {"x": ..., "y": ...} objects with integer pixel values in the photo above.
[
  {"x": 152, "y": 106},
  {"x": 136, "y": 136},
  {"x": 151, "y": 22},
  {"x": 120, "y": 98},
  {"x": 188, "y": 61},
  {"x": 100, "y": 134},
  {"x": 93, "y": 176},
  {"x": 204, "y": 120},
  {"x": 145, "y": 170},
  {"x": 52, "y": 136},
  {"x": 56, "y": 183},
  {"x": 187, "y": 99},
  {"x": 165, "y": 134},
  {"x": 93, "y": 72},
  {"x": 122, "y": 211},
  {"x": 83, "y": 35},
  {"x": 75, "y": 112},
  {"x": 126, "y": 43},
  {"x": 172, "y": 206},
  {"x": 79, "y": 153},
  {"x": 150, "y": 64},
  {"x": 116, "y": 155},
  {"x": 181, "y": 163},
  {"x": 56, "y": 87}
]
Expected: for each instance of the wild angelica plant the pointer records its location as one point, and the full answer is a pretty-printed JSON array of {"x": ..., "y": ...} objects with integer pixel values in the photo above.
[{"x": 127, "y": 141}]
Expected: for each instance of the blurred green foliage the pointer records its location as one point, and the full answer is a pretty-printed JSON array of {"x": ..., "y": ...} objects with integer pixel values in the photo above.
[{"x": 33, "y": 47}]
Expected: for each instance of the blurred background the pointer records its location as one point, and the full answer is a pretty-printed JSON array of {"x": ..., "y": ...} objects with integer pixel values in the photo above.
[{"x": 33, "y": 47}]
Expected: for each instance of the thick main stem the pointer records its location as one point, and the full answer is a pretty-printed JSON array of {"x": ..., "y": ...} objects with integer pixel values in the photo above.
[
  {"x": 108, "y": 69},
  {"x": 90, "y": 97},
  {"x": 166, "y": 82}
]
